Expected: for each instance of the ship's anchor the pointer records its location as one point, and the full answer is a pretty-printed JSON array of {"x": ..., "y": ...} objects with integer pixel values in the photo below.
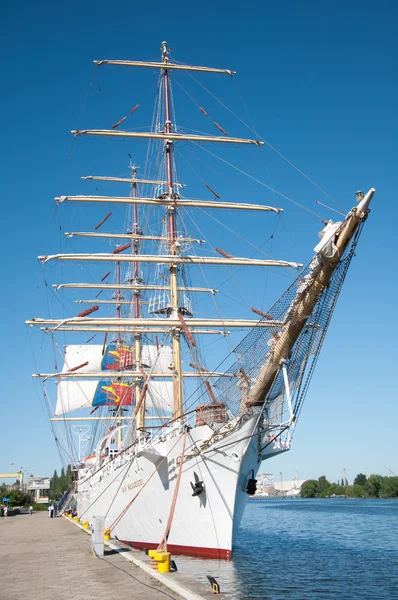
[
  {"x": 251, "y": 485},
  {"x": 198, "y": 486}
]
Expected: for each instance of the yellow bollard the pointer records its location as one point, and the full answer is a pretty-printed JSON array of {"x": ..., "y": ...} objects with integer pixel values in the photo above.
[
  {"x": 85, "y": 524},
  {"x": 75, "y": 519},
  {"x": 107, "y": 535},
  {"x": 162, "y": 560}
]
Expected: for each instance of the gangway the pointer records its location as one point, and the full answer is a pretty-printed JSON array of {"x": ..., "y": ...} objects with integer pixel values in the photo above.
[{"x": 65, "y": 502}]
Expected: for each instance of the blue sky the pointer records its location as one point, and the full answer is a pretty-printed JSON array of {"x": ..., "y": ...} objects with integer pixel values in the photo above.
[{"x": 319, "y": 83}]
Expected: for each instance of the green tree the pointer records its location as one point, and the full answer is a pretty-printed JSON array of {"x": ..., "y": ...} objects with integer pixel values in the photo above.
[
  {"x": 389, "y": 487},
  {"x": 358, "y": 491},
  {"x": 69, "y": 476},
  {"x": 54, "y": 485},
  {"x": 18, "y": 498},
  {"x": 360, "y": 479},
  {"x": 373, "y": 485},
  {"x": 309, "y": 489},
  {"x": 63, "y": 483},
  {"x": 323, "y": 486}
]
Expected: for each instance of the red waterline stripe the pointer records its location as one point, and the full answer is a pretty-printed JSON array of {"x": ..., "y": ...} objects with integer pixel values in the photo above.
[{"x": 184, "y": 550}]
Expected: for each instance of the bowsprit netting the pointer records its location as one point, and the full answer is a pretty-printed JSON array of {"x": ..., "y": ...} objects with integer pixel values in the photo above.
[{"x": 254, "y": 350}]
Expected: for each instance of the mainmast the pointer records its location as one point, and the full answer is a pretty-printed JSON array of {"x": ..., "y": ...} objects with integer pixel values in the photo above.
[{"x": 171, "y": 225}]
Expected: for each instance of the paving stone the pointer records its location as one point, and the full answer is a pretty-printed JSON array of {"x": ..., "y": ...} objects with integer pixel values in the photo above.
[{"x": 50, "y": 559}]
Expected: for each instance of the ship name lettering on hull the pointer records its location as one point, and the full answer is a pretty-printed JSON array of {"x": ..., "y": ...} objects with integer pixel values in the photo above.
[{"x": 132, "y": 485}]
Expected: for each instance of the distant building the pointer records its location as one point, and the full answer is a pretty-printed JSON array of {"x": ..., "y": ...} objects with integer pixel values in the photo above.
[
  {"x": 268, "y": 486},
  {"x": 40, "y": 487},
  {"x": 289, "y": 488}
]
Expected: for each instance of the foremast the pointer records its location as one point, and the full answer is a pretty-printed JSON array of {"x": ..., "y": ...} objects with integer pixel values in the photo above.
[{"x": 171, "y": 225}]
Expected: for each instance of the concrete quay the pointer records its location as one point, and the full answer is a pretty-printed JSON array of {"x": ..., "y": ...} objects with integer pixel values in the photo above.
[{"x": 51, "y": 559}]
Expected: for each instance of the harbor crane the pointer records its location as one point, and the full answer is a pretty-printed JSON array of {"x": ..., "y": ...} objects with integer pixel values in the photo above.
[{"x": 18, "y": 475}]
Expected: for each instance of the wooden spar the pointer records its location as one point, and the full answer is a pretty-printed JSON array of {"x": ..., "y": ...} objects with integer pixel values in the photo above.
[
  {"x": 119, "y": 122},
  {"x": 130, "y": 180},
  {"x": 128, "y": 286},
  {"x": 185, "y": 329},
  {"x": 124, "y": 375},
  {"x": 151, "y": 322},
  {"x": 220, "y": 128},
  {"x": 78, "y": 367},
  {"x": 134, "y": 109},
  {"x": 142, "y": 397},
  {"x": 133, "y": 330},
  {"x": 104, "y": 343},
  {"x": 129, "y": 236},
  {"x": 110, "y": 418},
  {"x": 302, "y": 306},
  {"x": 167, "y": 202},
  {"x": 106, "y": 302},
  {"x": 210, "y": 390},
  {"x": 121, "y": 249},
  {"x": 162, "y": 65},
  {"x": 88, "y": 311},
  {"x": 173, "y": 260},
  {"x": 103, "y": 220},
  {"x": 164, "y": 278},
  {"x": 262, "y": 314},
  {"x": 105, "y": 276},
  {"x": 166, "y": 136},
  {"x": 212, "y": 191},
  {"x": 198, "y": 368},
  {"x": 223, "y": 253}
]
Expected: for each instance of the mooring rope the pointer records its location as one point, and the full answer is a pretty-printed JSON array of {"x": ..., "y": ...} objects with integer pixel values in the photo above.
[{"x": 163, "y": 544}]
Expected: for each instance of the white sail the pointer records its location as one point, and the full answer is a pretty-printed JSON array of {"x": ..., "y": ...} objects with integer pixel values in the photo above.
[
  {"x": 74, "y": 395},
  {"x": 157, "y": 360},
  {"x": 160, "y": 395},
  {"x": 77, "y": 355}
]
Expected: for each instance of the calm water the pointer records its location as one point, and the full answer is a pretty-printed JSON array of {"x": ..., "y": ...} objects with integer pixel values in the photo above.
[{"x": 310, "y": 549}]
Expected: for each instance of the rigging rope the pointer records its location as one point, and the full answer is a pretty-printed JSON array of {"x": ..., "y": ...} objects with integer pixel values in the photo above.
[{"x": 263, "y": 139}]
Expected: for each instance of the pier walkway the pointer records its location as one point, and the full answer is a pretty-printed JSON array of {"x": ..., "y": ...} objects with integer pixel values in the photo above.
[{"x": 50, "y": 559}]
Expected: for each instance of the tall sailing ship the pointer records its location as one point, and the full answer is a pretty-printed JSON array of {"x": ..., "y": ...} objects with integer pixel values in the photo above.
[{"x": 174, "y": 446}]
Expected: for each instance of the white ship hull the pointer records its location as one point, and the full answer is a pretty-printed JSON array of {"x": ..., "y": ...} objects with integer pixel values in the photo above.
[{"x": 204, "y": 525}]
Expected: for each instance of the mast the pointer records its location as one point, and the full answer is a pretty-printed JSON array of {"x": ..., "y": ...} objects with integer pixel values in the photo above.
[
  {"x": 171, "y": 225},
  {"x": 140, "y": 422}
]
